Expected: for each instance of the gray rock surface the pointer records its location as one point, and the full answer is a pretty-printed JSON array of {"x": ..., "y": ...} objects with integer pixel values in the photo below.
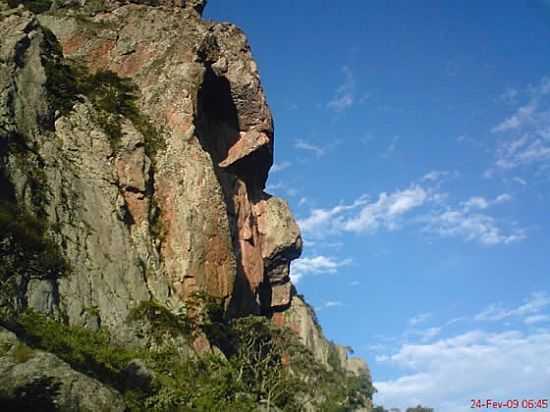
[{"x": 35, "y": 380}]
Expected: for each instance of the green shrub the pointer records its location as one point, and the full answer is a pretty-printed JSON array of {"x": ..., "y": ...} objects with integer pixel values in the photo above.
[
  {"x": 35, "y": 6},
  {"x": 92, "y": 352},
  {"x": 22, "y": 353},
  {"x": 162, "y": 320},
  {"x": 115, "y": 98},
  {"x": 267, "y": 365},
  {"x": 61, "y": 82},
  {"x": 26, "y": 253}
]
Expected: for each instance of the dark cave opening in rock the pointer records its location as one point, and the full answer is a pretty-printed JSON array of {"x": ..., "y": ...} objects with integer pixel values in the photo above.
[
  {"x": 217, "y": 130},
  {"x": 218, "y": 120}
]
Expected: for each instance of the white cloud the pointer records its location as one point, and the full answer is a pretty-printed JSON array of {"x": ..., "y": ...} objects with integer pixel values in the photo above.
[
  {"x": 344, "y": 98},
  {"x": 503, "y": 198},
  {"x": 315, "y": 265},
  {"x": 341, "y": 102},
  {"x": 530, "y": 320},
  {"x": 321, "y": 221},
  {"x": 392, "y": 210},
  {"x": 476, "y": 202},
  {"x": 364, "y": 98},
  {"x": 318, "y": 151},
  {"x": 468, "y": 223},
  {"x": 522, "y": 151},
  {"x": 471, "y": 227},
  {"x": 332, "y": 304},
  {"x": 273, "y": 187},
  {"x": 509, "y": 95},
  {"x": 426, "y": 335},
  {"x": 420, "y": 318},
  {"x": 279, "y": 167},
  {"x": 519, "y": 180},
  {"x": 387, "y": 210},
  {"x": 525, "y": 135},
  {"x": 520, "y": 118},
  {"x": 435, "y": 175},
  {"x": 447, "y": 373},
  {"x": 533, "y": 305},
  {"x": 455, "y": 320},
  {"x": 391, "y": 148},
  {"x": 480, "y": 202},
  {"x": 281, "y": 188}
]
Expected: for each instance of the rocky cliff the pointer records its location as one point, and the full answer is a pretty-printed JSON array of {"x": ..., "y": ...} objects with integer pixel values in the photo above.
[{"x": 135, "y": 143}]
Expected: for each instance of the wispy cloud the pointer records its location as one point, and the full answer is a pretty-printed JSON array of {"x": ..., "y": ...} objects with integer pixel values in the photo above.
[
  {"x": 390, "y": 148},
  {"x": 279, "y": 167},
  {"x": 472, "y": 227},
  {"x": 485, "y": 362},
  {"x": 383, "y": 213},
  {"x": 435, "y": 175},
  {"x": 420, "y": 318},
  {"x": 468, "y": 222},
  {"x": 418, "y": 205},
  {"x": 520, "y": 118},
  {"x": 519, "y": 180},
  {"x": 344, "y": 97},
  {"x": 330, "y": 304},
  {"x": 533, "y": 305},
  {"x": 530, "y": 320},
  {"x": 323, "y": 221},
  {"x": 315, "y": 265},
  {"x": 387, "y": 210},
  {"x": 281, "y": 189},
  {"x": 480, "y": 202},
  {"x": 317, "y": 150},
  {"x": 425, "y": 335},
  {"x": 525, "y": 134},
  {"x": 509, "y": 96}
]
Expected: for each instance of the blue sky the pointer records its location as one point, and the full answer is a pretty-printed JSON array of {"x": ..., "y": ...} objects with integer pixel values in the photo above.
[{"x": 413, "y": 146}]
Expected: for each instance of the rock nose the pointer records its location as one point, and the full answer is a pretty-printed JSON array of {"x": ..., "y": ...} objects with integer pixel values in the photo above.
[
  {"x": 197, "y": 5},
  {"x": 281, "y": 243}
]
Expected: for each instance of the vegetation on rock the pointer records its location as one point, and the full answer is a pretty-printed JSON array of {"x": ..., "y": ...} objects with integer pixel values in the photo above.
[
  {"x": 26, "y": 253},
  {"x": 113, "y": 97},
  {"x": 263, "y": 365},
  {"x": 36, "y": 6}
]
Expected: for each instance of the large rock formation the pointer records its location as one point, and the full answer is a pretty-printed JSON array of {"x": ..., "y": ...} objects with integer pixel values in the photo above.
[
  {"x": 163, "y": 197},
  {"x": 24, "y": 373}
]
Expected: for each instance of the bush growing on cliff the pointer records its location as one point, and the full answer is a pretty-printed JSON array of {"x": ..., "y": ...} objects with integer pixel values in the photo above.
[
  {"x": 113, "y": 97},
  {"x": 26, "y": 253},
  {"x": 162, "y": 320},
  {"x": 265, "y": 366},
  {"x": 36, "y": 6}
]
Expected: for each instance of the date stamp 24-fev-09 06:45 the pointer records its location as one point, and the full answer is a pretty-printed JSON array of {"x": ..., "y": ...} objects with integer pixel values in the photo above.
[{"x": 509, "y": 404}]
